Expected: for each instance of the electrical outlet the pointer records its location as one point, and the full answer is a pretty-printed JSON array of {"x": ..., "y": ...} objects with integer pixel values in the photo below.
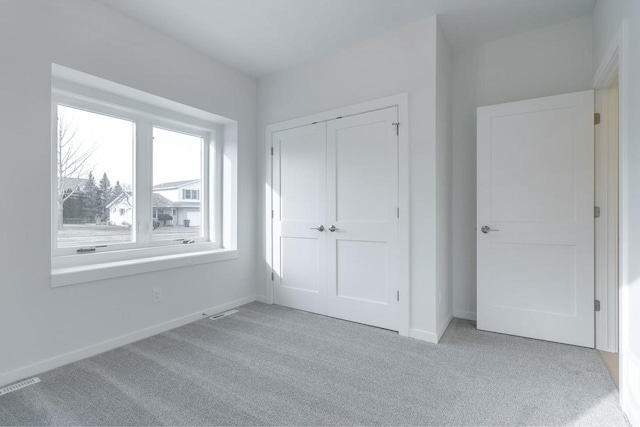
[{"x": 157, "y": 294}]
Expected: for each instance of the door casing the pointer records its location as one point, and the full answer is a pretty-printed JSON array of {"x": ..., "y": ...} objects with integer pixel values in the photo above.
[
  {"x": 616, "y": 61},
  {"x": 606, "y": 225},
  {"x": 401, "y": 101}
]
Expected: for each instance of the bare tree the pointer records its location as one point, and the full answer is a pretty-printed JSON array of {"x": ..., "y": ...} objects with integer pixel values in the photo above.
[{"x": 72, "y": 163}]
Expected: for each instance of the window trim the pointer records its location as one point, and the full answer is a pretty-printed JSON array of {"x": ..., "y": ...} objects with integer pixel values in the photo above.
[
  {"x": 89, "y": 99},
  {"x": 76, "y": 274}
]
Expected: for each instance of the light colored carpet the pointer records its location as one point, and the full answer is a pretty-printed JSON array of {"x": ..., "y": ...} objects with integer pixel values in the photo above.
[{"x": 269, "y": 365}]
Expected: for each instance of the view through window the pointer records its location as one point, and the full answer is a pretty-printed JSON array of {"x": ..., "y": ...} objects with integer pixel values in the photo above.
[
  {"x": 94, "y": 168},
  {"x": 177, "y": 185}
]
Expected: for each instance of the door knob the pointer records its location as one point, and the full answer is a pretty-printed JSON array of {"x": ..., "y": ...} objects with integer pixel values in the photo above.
[
  {"x": 321, "y": 228},
  {"x": 332, "y": 228},
  {"x": 486, "y": 229}
]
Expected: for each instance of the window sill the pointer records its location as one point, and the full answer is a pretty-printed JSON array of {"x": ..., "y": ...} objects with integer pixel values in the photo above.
[{"x": 109, "y": 270}]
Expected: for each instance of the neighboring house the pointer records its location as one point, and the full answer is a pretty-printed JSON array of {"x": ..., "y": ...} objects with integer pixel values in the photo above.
[
  {"x": 120, "y": 209},
  {"x": 185, "y": 201},
  {"x": 179, "y": 199}
]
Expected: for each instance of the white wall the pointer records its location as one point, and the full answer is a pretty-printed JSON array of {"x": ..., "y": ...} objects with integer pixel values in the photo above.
[
  {"x": 37, "y": 322},
  {"x": 444, "y": 181},
  {"x": 608, "y": 17},
  {"x": 399, "y": 61},
  {"x": 543, "y": 62}
]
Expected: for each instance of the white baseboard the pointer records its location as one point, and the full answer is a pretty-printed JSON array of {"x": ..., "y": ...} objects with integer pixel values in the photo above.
[
  {"x": 468, "y": 315},
  {"x": 423, "y": 335},
  {"x": 629, "y": 385},
  {"x": 262, "y": 299},
  {"x": 110, "y": 344},
  {"x": 443, "y": 327},
  {"x": 632, "y": 413}
]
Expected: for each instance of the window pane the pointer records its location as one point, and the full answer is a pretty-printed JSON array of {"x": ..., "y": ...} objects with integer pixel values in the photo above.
[
  {"x": 94, "y": 178},
  {"x": 177, "y": 183}
]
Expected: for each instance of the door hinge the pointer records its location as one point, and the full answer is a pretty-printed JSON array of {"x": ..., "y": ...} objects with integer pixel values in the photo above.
[
  {"x": 597, "y": 305},
  {"x": 397, "y": 295},
  {"x": 272, "y": 214},
  {"x": 596, "y": 118},
  {"x": 272, "y": 151},
  {"x": 596, "y": 212},
  {"x": 272, "y": 276},
  {"x": 397, "y": 125},
  {"x": 398, "y": 212}
]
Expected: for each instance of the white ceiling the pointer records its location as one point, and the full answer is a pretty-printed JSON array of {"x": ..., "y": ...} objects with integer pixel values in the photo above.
[{"x": 261, "y": 37}]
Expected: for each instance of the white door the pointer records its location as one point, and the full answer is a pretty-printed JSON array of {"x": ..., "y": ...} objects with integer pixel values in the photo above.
[
  {"x": 535, "y": 229},
  {"x": 362, "y": 203},
  {"x": 299, "y": 209},
  {"x": 340, "y": 175}
]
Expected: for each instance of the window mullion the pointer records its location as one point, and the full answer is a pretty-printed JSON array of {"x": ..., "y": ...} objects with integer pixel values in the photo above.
[
  {"x": 216, "y": 179},
  {"x": 203, "y": 191},
  {"x": 144, "y": 181}
]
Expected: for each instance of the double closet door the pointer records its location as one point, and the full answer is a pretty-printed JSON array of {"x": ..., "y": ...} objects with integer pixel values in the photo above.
[{"x": 335, "y": 218}]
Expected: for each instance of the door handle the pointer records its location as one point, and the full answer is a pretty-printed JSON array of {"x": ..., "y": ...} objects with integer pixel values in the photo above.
[
  {"x": 321, "y": 228},
  {"x": 486, "y": 229},
  {"x": 333, "y": 228}
]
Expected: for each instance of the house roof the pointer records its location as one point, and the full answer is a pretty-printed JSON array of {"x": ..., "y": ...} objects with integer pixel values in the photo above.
[
  {"x": 175, "y": 184},
  {"x": 121, "y": 197},
  {"x": 73, "y": 183},
  {"x": 158, "y": 201}
]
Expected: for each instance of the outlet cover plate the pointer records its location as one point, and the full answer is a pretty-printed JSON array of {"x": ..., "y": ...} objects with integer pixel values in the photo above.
[{"x": 157, "y": 294}]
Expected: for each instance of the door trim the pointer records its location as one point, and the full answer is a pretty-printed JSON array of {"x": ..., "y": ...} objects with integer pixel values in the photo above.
[
  {"x": 606, "y": 225},
  {"x": 617, "y": 56},
  {"x": 608, "y": 75},
  {"x": 401, "y": 101}
]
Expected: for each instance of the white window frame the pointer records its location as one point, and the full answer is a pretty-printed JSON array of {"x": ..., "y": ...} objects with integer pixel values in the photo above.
[{"x": 146, "y": 117}]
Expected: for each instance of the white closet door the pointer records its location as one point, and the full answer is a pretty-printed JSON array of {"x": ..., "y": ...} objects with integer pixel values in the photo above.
[
  {"x": 362, "y": 202},
  {"x": 299, "y": 204},
  {"x": 535, "y": 228}
]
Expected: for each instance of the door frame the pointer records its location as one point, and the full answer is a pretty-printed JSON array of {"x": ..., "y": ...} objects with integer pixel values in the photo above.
[
  {"x": 401, "y": 101},
  {"x": 606, "y": 225},
  {"x": 616, "y": 58}
]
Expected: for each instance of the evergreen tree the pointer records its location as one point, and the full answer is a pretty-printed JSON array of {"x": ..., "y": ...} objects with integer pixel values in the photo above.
[
  {"x": 117, "y": 190},
  {"x": 91, "y": 199},
  {"x": 72, "y": 207},
  {"x": 105, "y": 184},
  {"x": 105, "y": 191},
  {"x": 91, "y": 181}
]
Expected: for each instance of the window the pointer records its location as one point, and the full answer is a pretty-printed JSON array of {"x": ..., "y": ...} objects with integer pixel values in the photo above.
[
  {"x": 191, "y": 194},
  {"x": 130, "y": 178},
  {"x": 177, "y": 170},
  {"x": 94, "y": 168}
]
